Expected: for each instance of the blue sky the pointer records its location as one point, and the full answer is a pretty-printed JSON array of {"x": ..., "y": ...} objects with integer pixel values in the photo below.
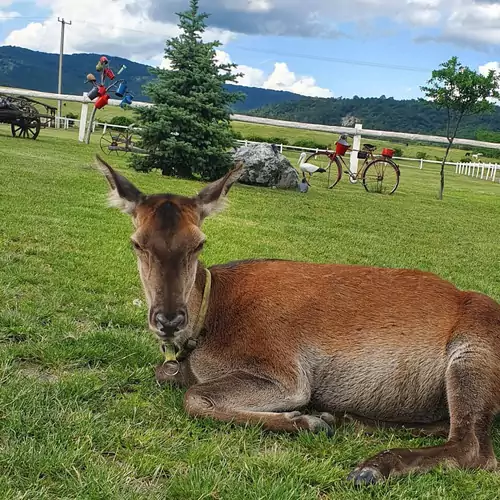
[{"x": 282, "y": 44}]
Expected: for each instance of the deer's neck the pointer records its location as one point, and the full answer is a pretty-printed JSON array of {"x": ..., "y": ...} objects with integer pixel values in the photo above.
[{"x": 198, "y": 295}]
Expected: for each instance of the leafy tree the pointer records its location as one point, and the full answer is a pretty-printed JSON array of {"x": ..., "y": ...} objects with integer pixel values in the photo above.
[
  {"x": 187, "y": 131},
  {"x": 461, "y": 92}
]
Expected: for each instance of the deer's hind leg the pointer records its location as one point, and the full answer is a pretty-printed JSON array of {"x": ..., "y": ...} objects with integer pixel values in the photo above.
[
  {"x": 473, "y": 398},
  {"x": 244, "y": 398}
]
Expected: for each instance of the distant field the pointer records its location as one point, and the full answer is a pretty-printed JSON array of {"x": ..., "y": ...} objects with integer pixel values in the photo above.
[{"x": 249, "y": 130}]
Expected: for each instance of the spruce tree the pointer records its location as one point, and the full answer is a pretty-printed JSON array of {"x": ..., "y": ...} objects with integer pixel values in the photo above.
[{"x": 187, "y": 132}]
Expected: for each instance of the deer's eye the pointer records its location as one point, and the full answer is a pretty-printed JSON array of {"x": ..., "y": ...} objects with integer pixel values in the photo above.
[
  {"x": 199, "y": 248},
  {"x": 136, "y": 246}
]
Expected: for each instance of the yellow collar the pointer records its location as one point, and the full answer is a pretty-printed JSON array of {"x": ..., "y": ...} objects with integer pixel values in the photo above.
[{"x": 169, "y": 349}]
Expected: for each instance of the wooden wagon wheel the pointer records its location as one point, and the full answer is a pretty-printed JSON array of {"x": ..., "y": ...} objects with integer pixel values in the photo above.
[
  {"x": 113, "y": 143},
  {"x": 27, "y": 127}
]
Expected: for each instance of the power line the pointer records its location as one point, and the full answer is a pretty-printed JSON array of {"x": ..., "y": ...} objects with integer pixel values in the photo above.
[
  {"x": 350, "y": 62},
  {"x": 336, "y": 60}
]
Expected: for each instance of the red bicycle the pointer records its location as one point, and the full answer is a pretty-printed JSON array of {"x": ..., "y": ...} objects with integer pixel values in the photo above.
[{"x": 380, "y": 174}]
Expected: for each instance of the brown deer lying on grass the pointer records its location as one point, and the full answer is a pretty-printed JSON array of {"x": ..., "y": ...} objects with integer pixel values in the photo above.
[{"x": 388, "y": 346}]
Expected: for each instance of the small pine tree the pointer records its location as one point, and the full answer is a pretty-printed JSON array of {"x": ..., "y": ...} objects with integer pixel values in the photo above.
[{"x": 187, "y": 132}]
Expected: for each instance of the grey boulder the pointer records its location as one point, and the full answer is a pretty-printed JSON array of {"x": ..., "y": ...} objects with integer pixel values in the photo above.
[{"x": 266, "y": 166}]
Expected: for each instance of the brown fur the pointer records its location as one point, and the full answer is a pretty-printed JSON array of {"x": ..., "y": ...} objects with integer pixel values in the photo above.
[{"x": 385, "y": 347}]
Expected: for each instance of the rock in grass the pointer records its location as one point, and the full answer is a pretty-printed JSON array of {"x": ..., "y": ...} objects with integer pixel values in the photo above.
[{"x": 264, "y": 166}]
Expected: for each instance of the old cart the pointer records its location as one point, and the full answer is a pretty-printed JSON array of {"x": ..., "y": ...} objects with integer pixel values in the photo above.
[{"x": 23, "y": 116}]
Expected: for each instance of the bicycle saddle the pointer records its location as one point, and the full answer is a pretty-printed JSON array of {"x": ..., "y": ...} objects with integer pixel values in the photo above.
[{"x": 369, "y": 147}]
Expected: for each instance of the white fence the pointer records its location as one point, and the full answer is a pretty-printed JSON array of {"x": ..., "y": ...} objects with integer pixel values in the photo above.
[
  {"x": 357, "y": 132},
  {"x": 460, "y": 168},
  {"x": 486, "y": 171}
]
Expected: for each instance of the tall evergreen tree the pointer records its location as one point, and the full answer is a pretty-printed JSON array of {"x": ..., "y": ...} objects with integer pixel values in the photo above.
[{"x": 187, "y": 131}]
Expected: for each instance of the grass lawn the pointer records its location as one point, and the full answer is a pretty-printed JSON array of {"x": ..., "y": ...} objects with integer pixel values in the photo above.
[{"x": 80, "y": 413}]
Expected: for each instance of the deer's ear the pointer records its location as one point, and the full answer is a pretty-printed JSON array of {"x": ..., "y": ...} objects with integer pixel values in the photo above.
[
  {"x": 212, "y": 198},
  {"x": 123, "y": 194}
]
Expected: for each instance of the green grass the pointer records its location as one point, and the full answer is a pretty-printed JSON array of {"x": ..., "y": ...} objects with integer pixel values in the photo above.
[{"x": 80, "y": 413}]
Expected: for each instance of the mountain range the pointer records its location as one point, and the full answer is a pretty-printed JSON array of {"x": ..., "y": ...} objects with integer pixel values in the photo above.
[{"x": 34, "y": 70}]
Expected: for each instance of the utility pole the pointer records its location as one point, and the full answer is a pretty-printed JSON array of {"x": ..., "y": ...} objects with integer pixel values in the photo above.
[{"x": 59, "y": 85}]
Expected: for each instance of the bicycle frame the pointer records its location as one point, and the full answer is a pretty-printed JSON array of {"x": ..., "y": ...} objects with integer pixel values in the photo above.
[{"x": 353, "y": 176}]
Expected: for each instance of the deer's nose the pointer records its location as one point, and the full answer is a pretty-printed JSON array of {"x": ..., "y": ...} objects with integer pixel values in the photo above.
[{"x": 171, "y": 322}]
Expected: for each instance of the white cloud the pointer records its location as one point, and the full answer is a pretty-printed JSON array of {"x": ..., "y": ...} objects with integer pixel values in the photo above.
[
  {"x": 252, "y": 77},
  {"x": 486, "y": 68},
  {"x": 284, "y": 79},
  {"x": 129, "y": 33},
  {"x": 259, "y": 5},
  {"x": 137, "y": 29},
  {"x": 6, "y": 15},
  {"x": 280, "y": 79},
  {"x": 166, "y": 63}
]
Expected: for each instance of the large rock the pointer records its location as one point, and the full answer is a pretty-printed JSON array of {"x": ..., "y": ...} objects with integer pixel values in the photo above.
[{"x": 265, "y": 166}]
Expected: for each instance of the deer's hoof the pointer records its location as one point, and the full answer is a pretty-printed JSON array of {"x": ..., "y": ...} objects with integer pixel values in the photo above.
[{"x": 363, "y": 476}]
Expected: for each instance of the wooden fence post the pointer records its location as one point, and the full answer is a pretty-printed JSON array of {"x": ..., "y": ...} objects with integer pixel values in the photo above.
[
  {"x": 356, "y": 144},
  {"x": 83, "y": 119}
]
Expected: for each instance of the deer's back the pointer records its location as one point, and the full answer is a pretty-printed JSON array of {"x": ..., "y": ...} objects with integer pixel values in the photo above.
[{"x": 371, "y": 341}]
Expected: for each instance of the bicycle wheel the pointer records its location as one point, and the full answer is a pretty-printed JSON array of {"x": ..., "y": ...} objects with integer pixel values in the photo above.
[
  {"x": 326, "y": 164},
  {"x": 381, "y": 176}
]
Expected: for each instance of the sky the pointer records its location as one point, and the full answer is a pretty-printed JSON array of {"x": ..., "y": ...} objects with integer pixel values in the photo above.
[{"x": 325, "y": 48}]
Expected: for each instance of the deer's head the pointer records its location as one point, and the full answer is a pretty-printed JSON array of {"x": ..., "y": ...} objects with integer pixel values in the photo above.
[{"x": 167, "y": 240}]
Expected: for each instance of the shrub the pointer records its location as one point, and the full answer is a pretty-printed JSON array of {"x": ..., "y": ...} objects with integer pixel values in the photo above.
[
  {"x": 309, "y": 143},
  {"x": 255, "y": 138},
  {"x": 124, "y": 121},
  {"x": 277, "y": 140},
  {"x": 72, "y": 116},
  {"x": 421, "y": 155},
  {"x": 398, "y": 152}
]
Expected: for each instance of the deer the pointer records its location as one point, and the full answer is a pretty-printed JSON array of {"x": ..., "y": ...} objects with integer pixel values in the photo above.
[{"x": 382, "y": 347}]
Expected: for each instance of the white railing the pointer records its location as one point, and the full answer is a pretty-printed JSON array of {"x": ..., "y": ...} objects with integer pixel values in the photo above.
[
  {"x": 356, "y": 132},
  {"x": 420, "y": 162},
  {"x": 65, "y": 122},
  {"x": 486, "y": 171}
]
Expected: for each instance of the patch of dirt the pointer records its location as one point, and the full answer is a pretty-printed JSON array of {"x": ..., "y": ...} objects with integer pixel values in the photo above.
[{"x": 33, "y": 371}]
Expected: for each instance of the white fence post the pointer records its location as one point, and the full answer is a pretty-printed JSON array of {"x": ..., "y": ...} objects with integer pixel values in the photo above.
[
  {"x": 83, "y": 119},
  {"x": 421, "y": 163},
  {"x": 493, "y": 175},
  {"x": 457, "y": 166},
  {"x": 356, "y": 144},
  {"x": 104, "y": 128}
]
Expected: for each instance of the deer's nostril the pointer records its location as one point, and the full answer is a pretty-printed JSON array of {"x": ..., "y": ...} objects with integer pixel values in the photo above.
[{"x": 171, "y": 322}]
